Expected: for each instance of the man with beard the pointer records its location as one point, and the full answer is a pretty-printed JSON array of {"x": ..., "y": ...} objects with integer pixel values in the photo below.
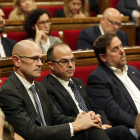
[
  {"x": 109, "y": 23},
  {"x": 113, "y": 85},
  {"x": 6, "y": 45}
]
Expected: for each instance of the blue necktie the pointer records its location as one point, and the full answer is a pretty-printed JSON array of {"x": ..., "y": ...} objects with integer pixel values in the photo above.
[
  {"x": 38, "y": 106},
  {"x": 78, "y": 97}
]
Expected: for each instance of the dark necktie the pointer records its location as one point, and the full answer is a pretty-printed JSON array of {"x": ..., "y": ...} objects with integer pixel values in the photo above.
[
  {"x": 38, "y": 106},
  {"x": 78, "y": 97}
]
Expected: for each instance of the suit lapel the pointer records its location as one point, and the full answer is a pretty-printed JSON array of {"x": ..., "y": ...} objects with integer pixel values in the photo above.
[
  {"x": 29, "y": 105},
  {"x": 63, "y": 92},
  {"x": 134, "y": 78},
  {"x": 122, "y": 87},
  {"x": 97, "y": 31}
]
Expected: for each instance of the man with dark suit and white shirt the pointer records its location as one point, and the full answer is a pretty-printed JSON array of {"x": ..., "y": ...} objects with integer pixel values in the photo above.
[
  {"x": 113, "y": 85},
  {"x": 110, "y": 23},
  {"x": 28, "y": 108},
  {"x": 129, "y": 8},
  {"x": 6, "y": 45},
  {"x": 69, "y": 94}
]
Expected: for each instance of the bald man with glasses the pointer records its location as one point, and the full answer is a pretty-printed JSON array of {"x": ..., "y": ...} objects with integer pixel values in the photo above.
[{"x": 110, "y": 23}]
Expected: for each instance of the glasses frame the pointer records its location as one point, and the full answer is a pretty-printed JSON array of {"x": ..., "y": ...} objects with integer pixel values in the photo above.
[
  {"x": 35, "y": 59},
  {"x": 66, "y": 61},
  {"x": 114, "y": 23},
  {"x": 44, "y": 22}
]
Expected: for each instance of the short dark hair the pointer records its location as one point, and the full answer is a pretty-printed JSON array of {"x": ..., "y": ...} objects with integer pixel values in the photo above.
[
  {"x": 101, "y": 44},
  {"x": 50, "y": 54},
  {"x": 31, "y": 20}
]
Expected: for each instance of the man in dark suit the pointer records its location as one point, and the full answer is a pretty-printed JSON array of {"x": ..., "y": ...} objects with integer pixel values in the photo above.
[
  {"x": 110, "y": 23},
  {"x": 129, "y": 8},
  {"x": 62, "y": 66},
  {"x": 28, "y": 108},
  {"x": 113, "y": 85},
  {"x": 6, "y": 45}
]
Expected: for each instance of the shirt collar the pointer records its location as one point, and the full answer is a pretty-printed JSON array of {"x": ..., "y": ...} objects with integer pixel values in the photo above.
[
  {"x": 101, "y": 30},
  {"x": 114, "y": 69},
  {"x": 65, "y": 83},
  {"x": 26, "y": 84}
]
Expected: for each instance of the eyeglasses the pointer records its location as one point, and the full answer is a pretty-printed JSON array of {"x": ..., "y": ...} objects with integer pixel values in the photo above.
[
  {"x": 35, "y": 59},
  {"x": 66, "y": 62},
  {"x": 114, "y": 23},
  {"x": 44, "y": 22}
]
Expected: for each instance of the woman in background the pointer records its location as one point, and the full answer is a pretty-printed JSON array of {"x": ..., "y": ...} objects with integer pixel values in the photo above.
[
  {"x": 73, "y": 8},
  {"x": 37, "y": 25},
  {"x": 21, "y": 9}
]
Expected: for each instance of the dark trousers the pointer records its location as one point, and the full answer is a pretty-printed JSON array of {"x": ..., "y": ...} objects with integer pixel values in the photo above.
[
  {"x": 114, "y": 133},
  {"x": 91, "y": 134},
  {"x": 120, "y": 133}
]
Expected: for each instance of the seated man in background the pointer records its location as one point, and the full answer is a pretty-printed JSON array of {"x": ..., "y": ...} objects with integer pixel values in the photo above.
[
  {"x": 30, "y": 111},
  {"x": 113, "y": 85},
  {"x": 131, "y": 8},
  {"x": 110, "y": 23},
  {"x": 6, "y": 45},
  {"x": 69, "y": 94}
]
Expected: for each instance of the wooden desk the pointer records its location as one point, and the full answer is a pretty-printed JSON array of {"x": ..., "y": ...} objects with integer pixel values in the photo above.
[
  {"x": 84, "y": 58},
  {"x": 61, "y": 24}
]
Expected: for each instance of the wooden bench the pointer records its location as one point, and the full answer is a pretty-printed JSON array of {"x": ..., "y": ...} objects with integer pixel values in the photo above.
[
  {"x": 84, "y": 58},
  {"x": 61, "y": 24}
]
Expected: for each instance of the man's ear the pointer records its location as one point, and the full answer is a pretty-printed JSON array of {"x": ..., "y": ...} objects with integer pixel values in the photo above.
[
  {"x": 102, "y": 19},
  {"x": 16, "y": 61},
  {"x": 51, "y": 65},
  {"x": 103, "y": 57}
]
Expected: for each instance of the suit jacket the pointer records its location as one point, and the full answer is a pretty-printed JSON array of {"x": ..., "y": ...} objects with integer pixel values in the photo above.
[
  {"x": 21, "y": 114},
  {"x": 127, "y": 6},
  {"x": 8, "y": 45},
  {"x": 59, "y": 13},
  {"x": 64, "y": 102},
  {"x": 107, "y": 91},
  {"x": 88, "y": 36}
]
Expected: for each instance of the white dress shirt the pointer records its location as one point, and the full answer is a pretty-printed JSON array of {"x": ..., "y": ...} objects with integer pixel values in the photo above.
[
  {"x": 2, "y": 52},
  {"x": 130, "y": 86}
]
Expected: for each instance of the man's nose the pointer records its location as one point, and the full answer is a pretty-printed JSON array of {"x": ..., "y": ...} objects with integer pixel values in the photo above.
[
  {"x": 70, "y": 63},
  {"x": 39, "y": 63},
  {"x": 121, "y": 50}
]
